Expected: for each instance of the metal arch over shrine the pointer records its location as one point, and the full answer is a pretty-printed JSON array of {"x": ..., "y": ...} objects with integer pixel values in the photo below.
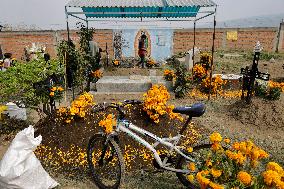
[{"x": 129, "y": 10}]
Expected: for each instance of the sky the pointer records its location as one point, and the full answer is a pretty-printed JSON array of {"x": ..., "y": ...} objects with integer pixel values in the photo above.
[{"x": 49, "y": 14}]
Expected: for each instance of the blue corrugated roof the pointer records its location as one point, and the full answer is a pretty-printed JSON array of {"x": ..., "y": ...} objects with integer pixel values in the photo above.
[{"x": 140, "y": 8}]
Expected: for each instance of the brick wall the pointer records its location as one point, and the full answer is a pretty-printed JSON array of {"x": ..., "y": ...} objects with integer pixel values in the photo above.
[
  {"x": 15, "y": 42},
  {"x": 247, "y": 38}
]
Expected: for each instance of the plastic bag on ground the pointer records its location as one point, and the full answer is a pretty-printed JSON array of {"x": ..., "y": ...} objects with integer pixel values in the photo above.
[{"x": 19, "y": 167}]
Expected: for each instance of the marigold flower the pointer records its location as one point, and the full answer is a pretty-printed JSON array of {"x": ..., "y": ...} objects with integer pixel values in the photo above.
[
  {"x": 60, "y": 89},
  {"x": 97, "y": 74},
  {"x": 155, "y": 103},
  {"x": 215, "y": 185},
  {"x": 227, "y": 140},
  {"x": 199, "y": 71},
  {"x": 51, "y": 94},
  {"x": 189, "y": 149},
  {"x": 216, "y": 146},
  {"x": 215, "y": 137},
  {"x": 53, "y": 89},
  {"x": 275, "y": 167},
  {"x": 208, "y": 163},
  {"x": 270, "y": 176},
  {"x": 68, "y": 121},
  {"x": 203, "y": 181},
  {"x": 215, "y": 172},
  {"x": 108, "y": 123},
  {"x": 191, "y": 166},
  {"x": 190, "y": 178},
  {"x": 236, "y": 146},
  {"x": 244, "y": 177}
]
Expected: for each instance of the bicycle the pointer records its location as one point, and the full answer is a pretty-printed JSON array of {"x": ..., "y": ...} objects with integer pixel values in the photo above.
[{"x": 109, "y": 154}]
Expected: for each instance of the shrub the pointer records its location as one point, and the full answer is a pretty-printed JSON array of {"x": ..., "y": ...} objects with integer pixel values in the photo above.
[{"x": 17, "y": 83}]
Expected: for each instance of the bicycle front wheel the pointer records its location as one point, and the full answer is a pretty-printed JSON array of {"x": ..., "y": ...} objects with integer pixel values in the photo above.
[
  {"x": 105, "y": 162},
  {"x": 199, "y": 153}
]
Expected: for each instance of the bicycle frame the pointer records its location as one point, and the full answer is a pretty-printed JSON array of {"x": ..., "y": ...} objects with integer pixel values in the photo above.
[{"x": 131, "y": 130}]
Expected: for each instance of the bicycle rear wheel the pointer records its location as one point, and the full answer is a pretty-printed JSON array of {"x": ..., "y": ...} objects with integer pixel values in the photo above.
[
  {"x": 105, "y": 162},
  {"x": 199, "y": 153}
]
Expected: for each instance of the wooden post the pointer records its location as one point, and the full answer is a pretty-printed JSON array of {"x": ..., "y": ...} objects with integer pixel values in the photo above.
[
  {"x": 213, "y": 49},
  {"x": 65, "y": 76},
  {"x": 194, "y": 42}
]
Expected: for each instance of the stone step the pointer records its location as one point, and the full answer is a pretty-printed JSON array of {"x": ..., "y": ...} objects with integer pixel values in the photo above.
[
  {"x": 134, "y": 83},
  {"x": 100, "y": 97}
]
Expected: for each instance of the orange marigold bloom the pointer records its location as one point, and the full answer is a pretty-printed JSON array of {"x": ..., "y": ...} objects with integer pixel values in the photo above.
[
  {"x": 53, "y": 89},
  {"x": 215, "y": 137},
  {"x": 270, "y": 176},
  {"x": 191, "y": 166},
  {"x": 203, "y": 181},
  {"x": 215, "y": 185},
  {"x": 215, "y": 172},
  {"x": 60, "y": 89},
  {"x": 244, "y": 177},
  {"x": 275, "y": 167},
  {"x": 227, "y": 140},
  {"x": 190, "y": 178}
]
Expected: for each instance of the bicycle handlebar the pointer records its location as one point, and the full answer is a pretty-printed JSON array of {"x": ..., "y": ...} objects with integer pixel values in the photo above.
[{"x": 116, "y": 106}]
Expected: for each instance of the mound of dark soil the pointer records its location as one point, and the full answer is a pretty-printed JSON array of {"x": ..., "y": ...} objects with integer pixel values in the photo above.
[
  {"x": 262, "y": 113},
  {"x": 57, "y": 134}
]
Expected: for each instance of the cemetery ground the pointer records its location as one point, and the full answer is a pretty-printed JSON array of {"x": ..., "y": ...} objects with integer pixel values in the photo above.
[{"x": 262, "y": 121}]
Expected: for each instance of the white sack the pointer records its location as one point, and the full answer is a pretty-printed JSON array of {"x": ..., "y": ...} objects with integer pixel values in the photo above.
[{"x": 19, "y": 167}]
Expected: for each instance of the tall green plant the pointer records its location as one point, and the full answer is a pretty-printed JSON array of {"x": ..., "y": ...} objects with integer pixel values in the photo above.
[
  {"x": 17, "y": 83},
  {"x": 91, "y": 63},
  {"x": 69, "y": 55}
]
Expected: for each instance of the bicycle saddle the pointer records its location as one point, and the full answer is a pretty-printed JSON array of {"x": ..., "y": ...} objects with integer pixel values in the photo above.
[{"x": 196, "y": 110}]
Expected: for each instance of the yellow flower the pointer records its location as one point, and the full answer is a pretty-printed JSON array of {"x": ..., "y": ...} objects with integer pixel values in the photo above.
[
  {"x": 2, "y": 109},
  {"x": 108, "y": 123},
  {"x": 215, "y": 172},
  {"x": 190, "y": 178},
  {"x": 190, "y": 149},
  {"x": 275, "y": 167},
  {"x": 236, "y": 146},
  {"x": 199, "y": 71},
  {"x": 116, "y": 62},
  {"x": 51, "y": 94},
  {"x": 227, "y": 140},
  {"x": 270, "y": 176},
  {"x": 215, "y": 137},
  {"x": 82, "y": 114},
  {"x": 216, "y": 146},
  {"x": 244, "y": 177},
  {"x": 97, "y": 74},
  {"x": 53, "y": 89},
  {"x": 191, "y": 166},
  {"x": 60, "y": 89},
  {"x": 208, "y": 163},
  {"x": 215, "y": 186},
  {"x": 280, "y": 184},
  {"x": 203, "y": 181},
  {"x": 68, "y": 121},
  {"x": 155, "y": 103}
]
